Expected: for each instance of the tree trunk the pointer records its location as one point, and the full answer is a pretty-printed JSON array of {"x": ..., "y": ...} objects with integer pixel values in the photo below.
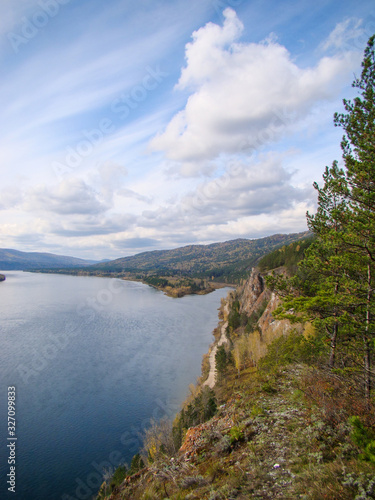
[
  {"x": 366, "y": 340},
  {"x": 332, "y": 356}
]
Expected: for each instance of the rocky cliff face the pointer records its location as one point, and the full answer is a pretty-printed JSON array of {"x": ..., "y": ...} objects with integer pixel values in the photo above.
[
  {"x": 257, "y": 300},
  {"x": 253, "y": 293}
]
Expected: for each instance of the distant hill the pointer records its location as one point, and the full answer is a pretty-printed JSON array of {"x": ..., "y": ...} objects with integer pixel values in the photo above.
[
  {"x": 228, "y": 261},
  {"x": 14, "y": 259},
  {"x": 287, "y": 256}
]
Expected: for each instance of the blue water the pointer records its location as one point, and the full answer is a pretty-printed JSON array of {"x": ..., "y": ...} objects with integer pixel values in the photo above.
[{"x": 92, "y": 360}]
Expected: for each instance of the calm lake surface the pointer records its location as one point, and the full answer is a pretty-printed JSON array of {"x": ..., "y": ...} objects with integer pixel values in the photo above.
[{"x": 92, "y": 360}]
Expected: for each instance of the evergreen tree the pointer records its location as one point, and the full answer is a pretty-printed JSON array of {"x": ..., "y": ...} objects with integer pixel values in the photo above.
[
  {"x": 335, "y": 283},
  {"x": 318, "y": 291},
  {"x": 358, "y": 146},
  {"x": 326, "y": 259}
]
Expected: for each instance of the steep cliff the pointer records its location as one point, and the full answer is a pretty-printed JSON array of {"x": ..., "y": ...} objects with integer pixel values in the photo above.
[
  {"x": 258, "y": 327},
  {"x": 268, "y": 423}
]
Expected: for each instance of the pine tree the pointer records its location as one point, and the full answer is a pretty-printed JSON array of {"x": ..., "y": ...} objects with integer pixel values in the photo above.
[
  {"x": 318, "y": 291},
  {"x": 335, "y": 283},
  {"x": 325, "y": 261},
  {"x": 358, "y": 146}
]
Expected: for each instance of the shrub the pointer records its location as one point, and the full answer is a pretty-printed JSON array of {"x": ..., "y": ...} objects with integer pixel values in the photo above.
[
  {"x": 236, "y": 435},
  {"x": 118, "y": 476},
  {"x": 158, "y": 441},
  {"x": 364, "y": 438},
  {"x": 202, "y": 408},
  {"x": 136, "y": 464}
]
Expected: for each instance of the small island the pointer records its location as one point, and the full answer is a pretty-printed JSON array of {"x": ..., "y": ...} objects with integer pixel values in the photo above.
[{"x": 2, "y": 277}]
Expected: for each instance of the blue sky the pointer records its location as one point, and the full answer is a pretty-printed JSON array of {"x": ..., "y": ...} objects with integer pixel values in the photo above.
[{"x": 131, "y": 126}]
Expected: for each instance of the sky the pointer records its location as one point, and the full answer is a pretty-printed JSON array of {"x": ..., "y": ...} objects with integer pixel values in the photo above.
[{"x": 135, "y": 126}]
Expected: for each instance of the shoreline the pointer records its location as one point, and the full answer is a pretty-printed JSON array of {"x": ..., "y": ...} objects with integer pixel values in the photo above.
[
  {"x": 166, "y": 284},
  {"x": 179, "y": 292}
]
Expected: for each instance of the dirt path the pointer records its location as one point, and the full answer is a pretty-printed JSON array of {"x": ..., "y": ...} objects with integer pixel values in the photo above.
[{"x": 211, "y": 379}]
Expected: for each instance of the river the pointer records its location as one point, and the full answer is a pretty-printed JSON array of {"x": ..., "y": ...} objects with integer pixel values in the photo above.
[{"x": 91, "y": 360}]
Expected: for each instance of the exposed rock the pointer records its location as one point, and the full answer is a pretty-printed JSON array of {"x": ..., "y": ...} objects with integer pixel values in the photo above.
[{"x": 253, "y": 293}]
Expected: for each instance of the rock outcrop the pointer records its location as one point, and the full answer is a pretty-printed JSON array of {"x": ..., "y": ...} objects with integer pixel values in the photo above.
[{"x": 253, "y": 293}]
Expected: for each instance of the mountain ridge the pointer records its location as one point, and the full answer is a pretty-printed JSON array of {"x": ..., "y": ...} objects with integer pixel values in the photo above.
[
  {"x": 229, "y": 259},
  {"x": 11, "y": 259}
]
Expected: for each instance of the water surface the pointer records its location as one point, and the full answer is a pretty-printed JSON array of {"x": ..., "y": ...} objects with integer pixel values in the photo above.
[{"x": 92, "y": 360}]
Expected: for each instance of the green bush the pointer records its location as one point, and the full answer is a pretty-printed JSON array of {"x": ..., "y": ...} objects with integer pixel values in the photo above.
[
  {"x": 234, "y": 317},
  {"x": 269, "y": 388},
  {"x": 236, "y": 435},
  {"x": 364, "y": 438},
  {"x": 201, "y": 409},
  {"x": 221, "y": 360},
  {"x": 118, "y": 476},
  {"x": 136, "y": 464}
]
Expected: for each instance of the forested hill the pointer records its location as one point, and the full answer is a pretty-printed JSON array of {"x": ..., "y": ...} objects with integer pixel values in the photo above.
[
  {"x": 14, "y": 259},
  {"x": 230, "y": 259}
]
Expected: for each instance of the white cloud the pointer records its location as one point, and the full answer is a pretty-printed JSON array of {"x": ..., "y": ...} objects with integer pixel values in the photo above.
[
  {"x": 214, "y": 176},
  {"x": 70, "y": 197},
  {"x": 129, "y": 193},
  {"x": 345, "y": 35},
  {"x": 244, "y": 95},
  {"x": 10, "y": 197},
  {"x": 246, "y": 189}
]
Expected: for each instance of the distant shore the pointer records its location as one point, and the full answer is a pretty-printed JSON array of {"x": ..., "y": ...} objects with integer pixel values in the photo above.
[
  {"x": 174, "y": 291},
  {"x": 172, "y": 286}
]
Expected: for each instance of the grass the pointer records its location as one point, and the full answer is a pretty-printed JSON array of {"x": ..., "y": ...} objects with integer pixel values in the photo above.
[{"x": 266, "y": 445}]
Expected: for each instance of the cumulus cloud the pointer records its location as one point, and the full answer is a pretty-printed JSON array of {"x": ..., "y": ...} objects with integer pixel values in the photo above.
[
  {"x": 260, "y": 188},
  {"x": 90, "y": 225},
  {"x": 245, "y": 190},
  {"x": 243, "y": 95},
  {"x": 71, "y": 196}
]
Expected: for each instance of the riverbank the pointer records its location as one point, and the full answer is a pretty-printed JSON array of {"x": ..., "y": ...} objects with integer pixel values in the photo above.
[
  {"x": 267, "y": 420},
  {"x": 172, "y": 286},
  {"x": 177, "y": 288}
]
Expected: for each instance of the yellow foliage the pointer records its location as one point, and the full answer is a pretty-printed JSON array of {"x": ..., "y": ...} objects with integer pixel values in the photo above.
[
  {"x": 309, "y": 330},
  {"x": 258, "y": 342}
]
